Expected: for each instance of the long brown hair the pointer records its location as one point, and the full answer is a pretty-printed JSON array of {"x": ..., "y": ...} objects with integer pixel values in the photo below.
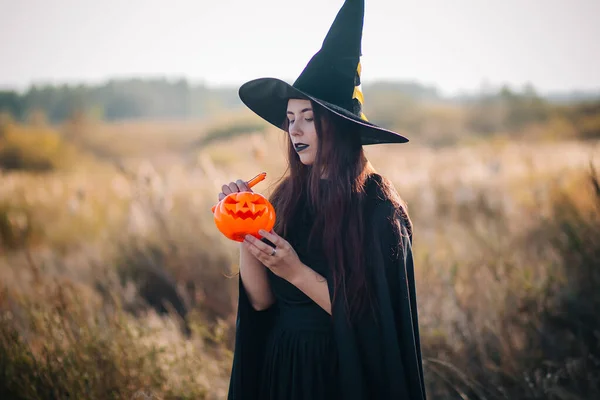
[{"x": 341, "y": 160}]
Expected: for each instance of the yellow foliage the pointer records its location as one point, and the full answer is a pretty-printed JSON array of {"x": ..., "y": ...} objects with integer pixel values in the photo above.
[
  {"x": 590, "y": 127},
  {"x": 34, "y": 148}
]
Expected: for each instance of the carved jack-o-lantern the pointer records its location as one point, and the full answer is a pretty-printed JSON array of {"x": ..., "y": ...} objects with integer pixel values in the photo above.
[{"x": 242, "y": 213}]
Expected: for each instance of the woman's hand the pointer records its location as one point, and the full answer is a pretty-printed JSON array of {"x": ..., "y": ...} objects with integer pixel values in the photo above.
[
  {"x": 282, "y": 261},
  {"x": 233, "y": 187}
]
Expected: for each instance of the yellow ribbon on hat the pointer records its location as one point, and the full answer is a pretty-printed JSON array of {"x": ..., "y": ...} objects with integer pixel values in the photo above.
[{"x": 358, "y": 94}]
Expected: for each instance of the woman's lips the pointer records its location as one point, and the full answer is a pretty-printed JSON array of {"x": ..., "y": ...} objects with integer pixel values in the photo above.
[{"x": 300, "y": 146}]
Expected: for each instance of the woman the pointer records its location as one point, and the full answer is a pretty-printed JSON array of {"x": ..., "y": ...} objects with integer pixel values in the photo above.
[{"x": 327, "y": 303}]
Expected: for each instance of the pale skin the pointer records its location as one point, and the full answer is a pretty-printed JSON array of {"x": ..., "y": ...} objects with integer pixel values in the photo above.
[{"x": 256, "y": 256}]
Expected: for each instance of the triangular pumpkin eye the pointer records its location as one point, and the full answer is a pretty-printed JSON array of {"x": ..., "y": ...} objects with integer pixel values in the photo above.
[
  {"x": 259, "y": 200},
  {"x": 230, "y": 206},
  {"x": 260, "y": 207},
  {"x": 230, "y": 200}
]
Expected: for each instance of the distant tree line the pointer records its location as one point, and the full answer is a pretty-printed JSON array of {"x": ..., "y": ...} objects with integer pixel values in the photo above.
[
  {"x": 148, "y": 98},
  {"x": 409, "y": 106},
  {"x": 119, "y": 99}
]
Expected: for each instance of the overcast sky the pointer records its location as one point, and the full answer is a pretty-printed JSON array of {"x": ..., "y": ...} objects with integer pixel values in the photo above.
[{"x": 453, "y": 44}]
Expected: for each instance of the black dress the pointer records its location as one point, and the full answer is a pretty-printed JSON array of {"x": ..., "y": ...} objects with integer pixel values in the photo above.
[
  {"x": 300, "y": 360},
  {"x": 295, "y": 350}
]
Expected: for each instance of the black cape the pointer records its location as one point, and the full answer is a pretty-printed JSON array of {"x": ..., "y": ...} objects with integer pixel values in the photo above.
[{"x": 379, "y": 355}]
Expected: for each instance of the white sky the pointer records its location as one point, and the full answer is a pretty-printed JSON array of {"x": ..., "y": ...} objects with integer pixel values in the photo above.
[{"x": 453, "y": 44}]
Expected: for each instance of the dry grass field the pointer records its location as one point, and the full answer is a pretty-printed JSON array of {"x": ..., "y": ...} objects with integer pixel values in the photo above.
[{"x": 114, "y": 280}]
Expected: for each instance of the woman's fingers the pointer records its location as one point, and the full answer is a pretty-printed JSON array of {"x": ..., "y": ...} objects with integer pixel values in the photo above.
[
  {"x": 263, "y": 247},
  {"x": 225, "y": 189},
  {"x": 273, "y": 238},
  {"x": 229, "y": 188},
  {"x": 243, "y": 186},
  {"x": 234, "y": 187},
  {"x": 258, "y": 253}
]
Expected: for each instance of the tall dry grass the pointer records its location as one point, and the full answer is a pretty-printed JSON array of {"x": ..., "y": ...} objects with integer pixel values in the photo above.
[
  {"x": 509, "y": 309},
  {"x": 114, "y": 280}
]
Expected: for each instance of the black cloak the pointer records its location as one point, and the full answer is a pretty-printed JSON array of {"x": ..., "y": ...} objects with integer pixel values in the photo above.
[{"x": 379, "y": 355}]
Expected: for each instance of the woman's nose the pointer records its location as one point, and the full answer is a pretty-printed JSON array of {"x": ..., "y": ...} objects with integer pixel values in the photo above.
[{"x": 294, "y": 131}]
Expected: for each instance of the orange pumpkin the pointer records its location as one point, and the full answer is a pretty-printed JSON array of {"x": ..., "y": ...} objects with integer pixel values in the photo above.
[{"x": 242, "y": 213}]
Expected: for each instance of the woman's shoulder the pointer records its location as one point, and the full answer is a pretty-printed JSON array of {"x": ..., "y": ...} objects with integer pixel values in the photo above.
[
  {"x": 379, "y": 191},
  {"x": 379, "y": 199},
  {"x": 384, "y": 205}
]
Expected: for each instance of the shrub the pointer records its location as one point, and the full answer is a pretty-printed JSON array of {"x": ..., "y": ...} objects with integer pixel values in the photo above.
[
  {"x": 17, "y": 229},
  {"x": 34, "y": 149},
  {"x": 59, "y": 342}
]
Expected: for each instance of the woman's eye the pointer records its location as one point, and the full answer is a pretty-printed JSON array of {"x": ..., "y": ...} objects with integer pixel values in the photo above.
[
  {"x": 308, "y": 119},
  {"x": 291, "y": 121}
]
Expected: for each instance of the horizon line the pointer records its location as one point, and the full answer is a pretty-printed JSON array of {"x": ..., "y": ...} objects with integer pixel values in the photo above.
[{"x": 486, "y": 83}]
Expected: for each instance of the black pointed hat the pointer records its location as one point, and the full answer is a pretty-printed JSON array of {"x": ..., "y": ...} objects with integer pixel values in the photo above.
[{"x": 331, "y": 78}]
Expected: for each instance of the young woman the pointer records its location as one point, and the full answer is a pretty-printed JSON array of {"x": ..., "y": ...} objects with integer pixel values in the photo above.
[{"x": 327, "y": 304}]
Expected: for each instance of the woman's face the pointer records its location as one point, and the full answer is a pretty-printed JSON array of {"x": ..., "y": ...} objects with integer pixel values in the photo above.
[{"x": 302, "y": 131}]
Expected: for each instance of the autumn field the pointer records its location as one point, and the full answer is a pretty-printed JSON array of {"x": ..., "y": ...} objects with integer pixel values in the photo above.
[{"x": 116, "y": 284}]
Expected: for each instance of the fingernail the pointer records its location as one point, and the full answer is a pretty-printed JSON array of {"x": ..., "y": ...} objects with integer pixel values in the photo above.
[
  {"x": 262, "y": 232},
  {"x": 247, "y": 237}
]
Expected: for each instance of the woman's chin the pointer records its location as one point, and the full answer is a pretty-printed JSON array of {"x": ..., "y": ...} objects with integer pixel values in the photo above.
[{"x": 304, "y": 159}]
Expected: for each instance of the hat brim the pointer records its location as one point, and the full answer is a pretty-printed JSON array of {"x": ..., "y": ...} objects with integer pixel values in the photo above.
[{"x": 268, "y": 98}]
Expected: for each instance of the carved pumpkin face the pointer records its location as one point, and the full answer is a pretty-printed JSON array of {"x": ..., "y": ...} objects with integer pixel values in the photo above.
[{"x": 244, "y": 213}]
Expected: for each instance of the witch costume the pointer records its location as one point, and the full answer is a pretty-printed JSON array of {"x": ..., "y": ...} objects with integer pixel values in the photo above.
[{"x": 295, "y": 350}]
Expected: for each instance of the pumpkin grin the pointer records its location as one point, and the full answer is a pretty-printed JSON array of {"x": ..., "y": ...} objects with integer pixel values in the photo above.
[
  {"x": 250, "y": 214},
  {"x": 245, "y": 209}
]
